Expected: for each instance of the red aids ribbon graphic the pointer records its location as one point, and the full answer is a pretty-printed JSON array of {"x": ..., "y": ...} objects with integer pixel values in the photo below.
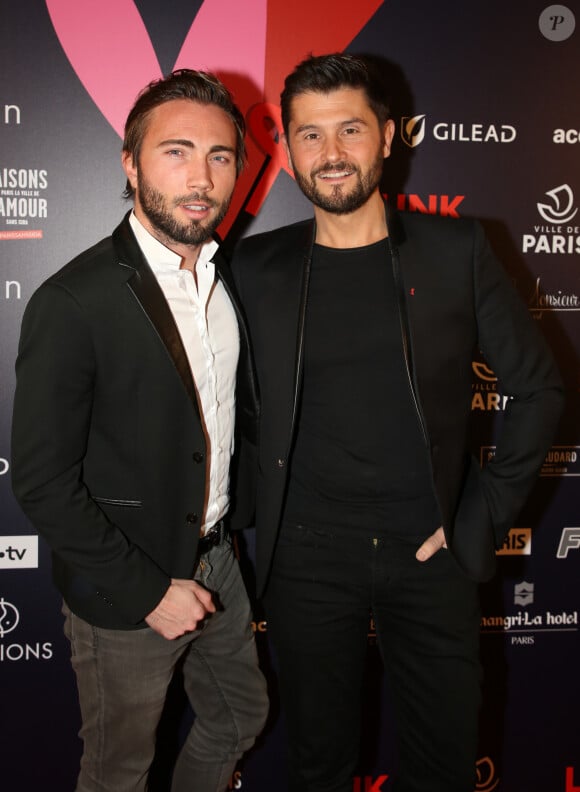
[{"x": 265, "y": 127}]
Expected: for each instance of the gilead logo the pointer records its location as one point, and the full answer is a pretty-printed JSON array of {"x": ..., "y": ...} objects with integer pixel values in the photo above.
[{"x": 413, "y": 130}]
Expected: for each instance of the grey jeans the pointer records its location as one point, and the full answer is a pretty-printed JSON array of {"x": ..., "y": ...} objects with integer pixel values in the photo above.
[{"x": 123, "y": 676}]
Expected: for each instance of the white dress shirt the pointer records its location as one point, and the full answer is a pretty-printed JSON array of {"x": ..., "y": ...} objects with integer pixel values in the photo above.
[{"x": 208, "y": 326}]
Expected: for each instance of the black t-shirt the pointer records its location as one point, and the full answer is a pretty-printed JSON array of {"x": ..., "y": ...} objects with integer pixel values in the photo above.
[{"x": 359, "y": 457}]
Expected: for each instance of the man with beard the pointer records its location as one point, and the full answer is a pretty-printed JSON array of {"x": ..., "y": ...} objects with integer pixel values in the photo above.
[
  {"x": 122, "y": 437},
  {"x": 363, "y": 325}
]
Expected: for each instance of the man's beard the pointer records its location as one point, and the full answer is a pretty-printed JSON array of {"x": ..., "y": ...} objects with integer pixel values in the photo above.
[
  {"x": 156, "y": 208},
  {"x": 340, "y": 202}
]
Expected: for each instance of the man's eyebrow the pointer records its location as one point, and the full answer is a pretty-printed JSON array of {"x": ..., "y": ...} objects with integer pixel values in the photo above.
[
  {"x": 305, "y": 128},
  {"x": 190, "y": 144},
  {"x": 176, "y": 142},
  {"x": 222, "y": 147},
  {"x": 346, "y": 122}
]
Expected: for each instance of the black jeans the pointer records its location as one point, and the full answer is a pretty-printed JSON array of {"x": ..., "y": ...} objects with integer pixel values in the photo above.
[{"x": 324, "y": 584}]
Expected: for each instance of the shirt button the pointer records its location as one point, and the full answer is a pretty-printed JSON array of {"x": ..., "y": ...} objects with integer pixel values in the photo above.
[
  {"x": 191, "y": 517},
  {"x": 281, "y": 463},
  {"x": 198, "y": 457}
]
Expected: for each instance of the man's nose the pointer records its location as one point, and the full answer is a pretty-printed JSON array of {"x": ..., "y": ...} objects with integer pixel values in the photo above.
[
  {"x": 333, "y": 149},
  {"x": 199, "y": 175}
]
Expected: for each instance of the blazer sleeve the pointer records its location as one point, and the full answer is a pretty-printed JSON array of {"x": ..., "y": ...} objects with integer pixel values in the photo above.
[
  {"x": 55, "y": 389},
  {"x": 521, "y": 359}
]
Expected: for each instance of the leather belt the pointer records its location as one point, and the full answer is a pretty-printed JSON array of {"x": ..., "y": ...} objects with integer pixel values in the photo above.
[{"x": 214, "y": 537}]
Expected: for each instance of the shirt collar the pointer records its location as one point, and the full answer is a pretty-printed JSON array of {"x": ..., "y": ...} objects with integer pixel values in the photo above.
[{"x": 159, "y": 257}]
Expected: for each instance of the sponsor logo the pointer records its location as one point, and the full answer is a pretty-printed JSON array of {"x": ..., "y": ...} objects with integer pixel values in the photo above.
[
  {"x": 235, "y": 781},
  {"x": 543, "y": 300},
  {"x": 522, "y": 625},
  {"x": 556, "y": 23},
  {"x": 524, "y": 593},
  {"x": 518, "y": 542},
  {"x": 486, "y": 779},
  {"x": 523, "y": 622},
  {"x": 571, "y": 786},
  {"x": 18, "y": 552},
  {"x": 9, "y": 617},
  {"x": 260, "y": 626},
  {"x": 22, "y": 199},
  {"x": 561, "y": 208},
  {"x": 414, "y": 129},
  {"x": 368, "y": 783},
  {"x": 11, "y": 288},
  {"x": 561, "y": 461},
  {"x": 11, "y": 115},
  {"x": 444, "y": 205},
  {"x": 15, "y": 652},
  {"x": 486, "y": 397},
  {"x": 557, "y": 235},
  {"x": 21, "y": 235},
  {"x": 569, "y": 540},
  {"x": 566, "y": 136}
]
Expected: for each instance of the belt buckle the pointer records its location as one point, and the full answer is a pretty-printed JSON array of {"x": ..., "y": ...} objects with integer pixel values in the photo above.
[
  {"x": 211, "y": 539},
  {"x": 213, "y": 536}
]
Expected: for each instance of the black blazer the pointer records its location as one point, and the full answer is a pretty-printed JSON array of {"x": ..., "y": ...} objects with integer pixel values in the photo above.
[
  {"x": 453, "y": 297},
  {"x": 108, "y": 449}
]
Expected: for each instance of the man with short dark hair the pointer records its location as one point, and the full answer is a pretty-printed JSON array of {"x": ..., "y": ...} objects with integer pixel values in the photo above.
[
  {"x": 122, "y": 438},
  {"x": 363, "y": 325}
]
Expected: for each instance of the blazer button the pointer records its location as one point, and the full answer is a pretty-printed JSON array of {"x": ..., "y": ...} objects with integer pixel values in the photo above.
[
  {"x": 191, "y": 517},
  {"x": 281, "y": 463},
  {"x": 198, "y": 457}
]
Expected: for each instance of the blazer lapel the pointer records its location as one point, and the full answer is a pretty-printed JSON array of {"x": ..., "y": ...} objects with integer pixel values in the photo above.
[
  {"x": 400, "y": 263},
  {"x": 308, "y": 244},
  {"x": 247, "y": 397},
  {"x": 287, "y": 280},
  {"x": 143, "y": 283}
]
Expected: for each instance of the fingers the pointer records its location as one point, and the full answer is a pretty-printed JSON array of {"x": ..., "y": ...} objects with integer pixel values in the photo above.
[
  {"x": 183, "y": 609},
  {"x": 431, "y": 545},
  {"x": 204, "y": 596}
]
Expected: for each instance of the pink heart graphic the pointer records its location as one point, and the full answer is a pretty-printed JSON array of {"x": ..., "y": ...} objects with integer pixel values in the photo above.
[
  {"x": 110, "y": 50},
  {"x": 251, "y": 45}
]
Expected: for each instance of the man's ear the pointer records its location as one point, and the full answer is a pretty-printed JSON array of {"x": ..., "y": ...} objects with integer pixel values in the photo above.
[
  {"x": 284, "y": 142},
  {"x": 388, "y": 134},
  {"x": 130, "y": 168}
]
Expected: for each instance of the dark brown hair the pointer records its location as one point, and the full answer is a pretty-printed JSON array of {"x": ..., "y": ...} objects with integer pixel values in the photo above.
[
  {"x": 325, "y": 73},
  {"x": 198, "y": 86}
]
